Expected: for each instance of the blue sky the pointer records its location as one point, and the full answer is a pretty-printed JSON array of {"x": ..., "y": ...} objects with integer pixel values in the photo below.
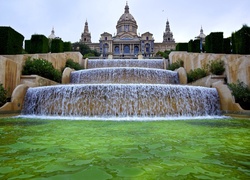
[{"x": 68, "y": 17}]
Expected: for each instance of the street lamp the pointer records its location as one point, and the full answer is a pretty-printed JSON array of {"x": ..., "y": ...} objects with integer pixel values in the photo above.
[{"x": 202, "y": 37}]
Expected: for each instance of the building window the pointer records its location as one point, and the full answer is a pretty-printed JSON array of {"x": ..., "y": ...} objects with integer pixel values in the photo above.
[
  {"x": 106, "y": 38},
  {"x": 105, "y": 49},
  {"x": 126, "y": 28},
  {"x": 147, "y": 38},
  {"x": 117, "y": 50},
  {"x": 147, "y": 48},
  {"x": 136, "y": 50},
  {"x": 126, "y": 49}
]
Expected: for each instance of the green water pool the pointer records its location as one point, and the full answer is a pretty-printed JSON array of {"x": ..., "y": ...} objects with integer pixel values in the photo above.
[{"x": 183, "y": 149}]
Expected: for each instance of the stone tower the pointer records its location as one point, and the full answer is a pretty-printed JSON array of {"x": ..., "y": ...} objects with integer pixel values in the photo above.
[
  {"x": 86, "y": 36},
  {"x": 168, "y": 35}
]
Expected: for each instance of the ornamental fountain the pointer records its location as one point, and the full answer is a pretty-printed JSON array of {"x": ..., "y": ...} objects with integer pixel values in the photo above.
[{"x": 122, "y": 90}]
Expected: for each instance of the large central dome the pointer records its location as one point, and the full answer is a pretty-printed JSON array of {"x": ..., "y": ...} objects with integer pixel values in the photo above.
[{"x": 126, "y": 23}]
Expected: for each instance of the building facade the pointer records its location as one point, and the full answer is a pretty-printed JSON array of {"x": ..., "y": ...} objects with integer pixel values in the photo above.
[{"x": 126, "y": 43}]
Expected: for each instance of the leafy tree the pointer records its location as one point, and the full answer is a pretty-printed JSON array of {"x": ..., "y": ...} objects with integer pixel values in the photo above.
[{"x": 85, "y": 50}]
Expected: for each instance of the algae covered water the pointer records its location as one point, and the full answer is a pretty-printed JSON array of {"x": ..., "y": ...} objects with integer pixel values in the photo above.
[{"x": 188, "y": 149}]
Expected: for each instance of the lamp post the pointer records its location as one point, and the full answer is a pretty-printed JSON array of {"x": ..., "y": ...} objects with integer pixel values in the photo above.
[{"x": 201, "y": 37}]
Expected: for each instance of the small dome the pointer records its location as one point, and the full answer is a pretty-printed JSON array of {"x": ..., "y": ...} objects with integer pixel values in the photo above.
[
  {"x": 127, "y": 16},
  {"x": 126, "y": 23},
  {"x": 52, "y": 35}
]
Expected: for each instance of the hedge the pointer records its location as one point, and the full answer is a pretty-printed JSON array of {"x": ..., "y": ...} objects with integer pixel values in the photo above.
[
  {"x": 67, "y": 46},
  {"x": 56, "y": 45},
  {"x": 194, "y": 46},
  {"x": 214, "y": 42},
  {"x": 227, "y": 46},
  {"x": 39, "y": 44},
  {"x": 241, "y": 41},
  {"x": 11, "y": 41},
  {"x": 182, "y": 47},
  {"x": 27, "y": 45}
]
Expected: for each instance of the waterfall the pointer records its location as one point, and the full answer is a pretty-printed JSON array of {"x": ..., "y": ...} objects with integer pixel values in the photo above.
[
  {"x": 124, "y": 75},
  {"x": 152, "y": 63},
  {"x": 133, "y": 92}
]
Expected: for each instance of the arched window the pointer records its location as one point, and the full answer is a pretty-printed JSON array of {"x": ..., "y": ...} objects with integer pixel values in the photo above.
[
  {"x": 136, "y": 50},
  {"x": 147, "y": 48},
  {"x": 105, "y": 49},
  {"x": 126, "y": 49},
  {"x": 117, "y": 50}
]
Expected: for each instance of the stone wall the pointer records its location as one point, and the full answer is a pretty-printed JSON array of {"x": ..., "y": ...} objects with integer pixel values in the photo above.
[
  {"x": 57, "y": 59},
  {"x": 9, "y": 73},
  {"x": 11, "y": 65},
  {"x": 237, "y": 66}
]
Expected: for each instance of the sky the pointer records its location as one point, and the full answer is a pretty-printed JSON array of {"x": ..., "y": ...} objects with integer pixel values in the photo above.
[{"x": 68, "y": 17}]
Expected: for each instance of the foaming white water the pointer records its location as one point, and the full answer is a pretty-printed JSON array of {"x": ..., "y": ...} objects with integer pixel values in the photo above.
[
  {"x": 147, "y": 63},
  {"x": 106, "y": 101},
  {"x": 124, "y": 75},
  {"x": 94, "y": 118}
]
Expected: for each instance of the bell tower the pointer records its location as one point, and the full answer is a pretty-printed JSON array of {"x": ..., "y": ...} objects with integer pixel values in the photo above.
[
  {"x": 168, "y": 35},
  {"x": 86, "y": 36}
]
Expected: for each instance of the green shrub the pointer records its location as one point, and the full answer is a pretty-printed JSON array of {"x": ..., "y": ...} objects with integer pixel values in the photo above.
[
  {"x": 241, "y": 93},
  {"x": 241, "y": 40},
  {"x": 227, "y": 45},
  {"x": 196, "y": 74},
  {"x": 182, "y": 47},
  {"x": 3, "y": 95},
  {"x": 194, "y": 46},
  {"x": 11, "y": 41},
  {"x": 179, "y": 63},
  {"x": 41, "y": 67},
  {"x": 217, "y": 67},
  {"x": 39, "y": 44},
  {"x": 214, "y": 42},
  {"x": 71, "y": 64},
  {"x": 67, "y": 46},
  {"x": 56, "y": 45}
]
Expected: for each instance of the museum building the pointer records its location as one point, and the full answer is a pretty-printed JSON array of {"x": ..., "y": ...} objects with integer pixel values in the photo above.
[{"x": 127, "y": 43}]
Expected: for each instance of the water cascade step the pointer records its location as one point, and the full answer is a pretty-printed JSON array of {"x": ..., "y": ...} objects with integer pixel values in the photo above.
[
  {"x": 124, "y": 75},
  {"x": 122, "y": 100},
  {"x": 147, "y": 63},
  {"x": 121, "y": 89}
]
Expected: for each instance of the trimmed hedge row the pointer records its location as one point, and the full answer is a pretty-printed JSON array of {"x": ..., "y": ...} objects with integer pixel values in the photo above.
[
  {"x": 194, "y": 45},
  {"x": 11, "y": 41},
  {"x": 182, "y": 47},
  {"x": 56, "y": 45},
  {"x": 41, "y": 44},
  {"x": 38, "y": 44},
  {"x": 241, "y": 41},
  {"x": 214, "y": 42},
  {"x": 67, "y": 46}
]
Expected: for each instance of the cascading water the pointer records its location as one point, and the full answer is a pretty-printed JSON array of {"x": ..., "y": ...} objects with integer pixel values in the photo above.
[
  {"x": 121, "y": 100},
  {"x": 152, "y": 63},
  {"x": 122, "y": 93},
  {"x": 124, "y": 75}
]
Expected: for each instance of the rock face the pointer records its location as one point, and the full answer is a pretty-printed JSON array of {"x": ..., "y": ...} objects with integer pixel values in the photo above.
[{"x": 237, "y": 66}]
